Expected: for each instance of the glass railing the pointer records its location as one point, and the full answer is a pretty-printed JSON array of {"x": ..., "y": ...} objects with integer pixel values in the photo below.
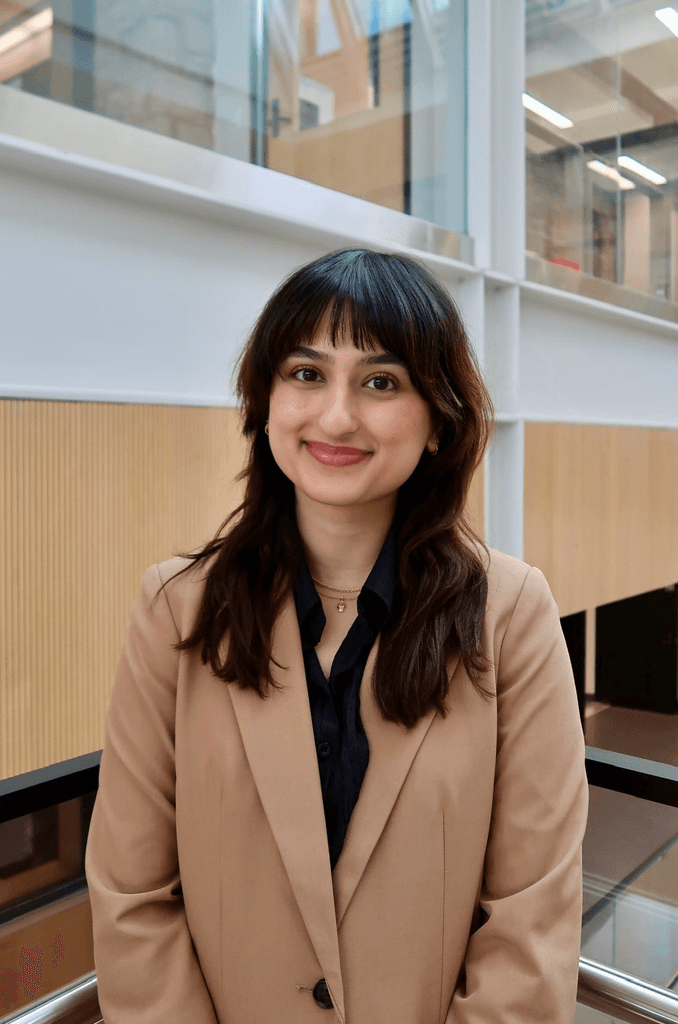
[
  {"x": 630, "y": 919},
  {"x": 46, "y": 938}
]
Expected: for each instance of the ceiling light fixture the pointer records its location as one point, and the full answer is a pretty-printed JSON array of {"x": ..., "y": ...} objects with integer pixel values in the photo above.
[
  {"x": 548, "y": 113},
  {"x": 23, "y": 32},
  {"x": 610, "y": 172},
  {"x": 669, "y": 17},
  {"x": 641, "y": 169}
]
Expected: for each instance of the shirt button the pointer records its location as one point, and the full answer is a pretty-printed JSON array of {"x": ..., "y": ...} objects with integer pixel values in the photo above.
[{"x": 324, "y": 749}]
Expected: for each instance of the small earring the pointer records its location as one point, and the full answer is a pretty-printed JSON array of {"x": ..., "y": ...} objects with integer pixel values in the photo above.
[{"x": 266, "y": 427}]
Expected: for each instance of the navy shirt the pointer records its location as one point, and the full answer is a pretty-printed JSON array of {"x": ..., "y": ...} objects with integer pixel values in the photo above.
[{"x": 340, "y": 740}]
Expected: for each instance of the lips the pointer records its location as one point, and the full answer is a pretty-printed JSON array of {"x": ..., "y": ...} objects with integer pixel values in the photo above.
[{"x": 332, "y": 449}]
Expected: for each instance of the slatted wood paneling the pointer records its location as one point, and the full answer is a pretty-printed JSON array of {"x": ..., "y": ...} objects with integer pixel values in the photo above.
[
  {"x": 601, "y": 510},
  {"x": 92, "y": 494}
]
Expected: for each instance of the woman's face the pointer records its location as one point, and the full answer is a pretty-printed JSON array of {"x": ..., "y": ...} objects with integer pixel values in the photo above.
[{"x": 332, "y": 396}]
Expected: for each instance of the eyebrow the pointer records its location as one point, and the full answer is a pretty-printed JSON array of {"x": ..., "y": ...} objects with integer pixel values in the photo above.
[{"x": 382, "y": 358}]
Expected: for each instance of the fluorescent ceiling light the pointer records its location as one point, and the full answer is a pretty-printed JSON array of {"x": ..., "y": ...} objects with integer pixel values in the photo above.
[
  {"x": 645, "y": 172},
  {"x": 610, "y": 172},
  {"x": 669, "y": 17},
  {"x": 31, "y": 27},
  {"x": 548, "y": 113}
]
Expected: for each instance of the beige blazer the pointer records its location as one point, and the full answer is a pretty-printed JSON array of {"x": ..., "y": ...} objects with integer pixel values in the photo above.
[{"x": 457, "y": 896}]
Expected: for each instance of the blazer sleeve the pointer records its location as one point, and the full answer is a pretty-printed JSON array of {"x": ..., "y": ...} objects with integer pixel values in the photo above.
[
  {"x": 146, "y": 965},
  {"x": 521, "y": 963}
]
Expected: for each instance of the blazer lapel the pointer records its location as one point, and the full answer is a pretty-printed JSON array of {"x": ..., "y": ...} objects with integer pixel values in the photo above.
[
  {"x": 277, "y": 734},
  {"x": 392, "y": 751}
]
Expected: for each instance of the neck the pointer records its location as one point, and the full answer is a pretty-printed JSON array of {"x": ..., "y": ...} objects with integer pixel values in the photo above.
[{"x": 342, "y": 544}]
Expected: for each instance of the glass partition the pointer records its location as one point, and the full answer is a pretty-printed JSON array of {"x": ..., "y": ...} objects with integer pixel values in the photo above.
[
  {"x": 367, "y": 97},
  {"x": 601, "y": 116},
  {"x": 630, "y": 903},
  {"x": 585, "y": 1015},
  {"x": 45, "y": 918}
]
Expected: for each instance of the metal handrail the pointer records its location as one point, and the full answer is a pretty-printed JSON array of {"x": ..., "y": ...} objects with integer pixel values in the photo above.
[
  {"x": 621, "y": 995},
  {"x": 76, "y": 1003},
  {"x": 600, "y": 987}
]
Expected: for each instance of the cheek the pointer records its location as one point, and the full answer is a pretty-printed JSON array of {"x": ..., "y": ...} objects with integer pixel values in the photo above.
[
  {"x": 403, "y": 423},
  {"x": 280, "y": 407},
  {"x": 286, "y": 402}
]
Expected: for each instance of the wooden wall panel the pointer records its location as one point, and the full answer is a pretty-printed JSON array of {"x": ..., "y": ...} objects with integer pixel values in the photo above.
[
  {"x": 92, "y": 494},
  {"x": 601, "y": 510}
]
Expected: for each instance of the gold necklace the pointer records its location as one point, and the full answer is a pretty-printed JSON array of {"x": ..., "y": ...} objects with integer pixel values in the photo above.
[{"x": 342, "y": 603}]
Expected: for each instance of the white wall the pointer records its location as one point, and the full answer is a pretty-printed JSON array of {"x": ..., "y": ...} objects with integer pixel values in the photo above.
[
  {"x": 578, "y": 366},
  {"x": 117, "y": 300}
]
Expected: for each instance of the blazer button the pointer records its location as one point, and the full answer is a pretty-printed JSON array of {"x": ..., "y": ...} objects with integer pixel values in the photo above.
[
  {"x": 324, "y": 749},
  {"x": 321, "y": 994}
]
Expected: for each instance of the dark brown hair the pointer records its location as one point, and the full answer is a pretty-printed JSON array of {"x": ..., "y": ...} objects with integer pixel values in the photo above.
[{"x": 441, "y": 582}]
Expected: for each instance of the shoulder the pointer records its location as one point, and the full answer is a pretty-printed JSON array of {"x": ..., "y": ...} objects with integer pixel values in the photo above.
[
  {"x": 510, "y": 581},
  {"x": 179, "y": 584},
  {"x": 505, "y": 574}
]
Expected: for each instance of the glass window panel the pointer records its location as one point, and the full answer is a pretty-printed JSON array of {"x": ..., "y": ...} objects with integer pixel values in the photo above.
[
  {"x": 367, "y": 97},
  {"x": 601, "y": 186},
  {"x": 382, "y": 116}
]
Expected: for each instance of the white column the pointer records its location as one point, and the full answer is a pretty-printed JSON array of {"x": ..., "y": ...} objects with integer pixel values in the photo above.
[
  {"x": 469, "y": 295},
  {"x": 496, "y": 221},
  {"x": 504, "y": 489},
  {"x": 478, "y": 143},
  {"x": 507, "y": 161},
  {"x": 504, "y": 461}
]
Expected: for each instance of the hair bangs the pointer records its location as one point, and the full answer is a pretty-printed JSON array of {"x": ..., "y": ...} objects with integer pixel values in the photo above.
[{"x": 373, "y": 300}]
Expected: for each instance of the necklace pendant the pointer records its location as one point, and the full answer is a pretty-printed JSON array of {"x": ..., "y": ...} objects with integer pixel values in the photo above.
[{"x": 341, "y": 606}]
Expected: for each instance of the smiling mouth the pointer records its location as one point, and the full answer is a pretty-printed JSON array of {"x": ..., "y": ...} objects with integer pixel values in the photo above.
[{"x": 336, "y": 450}]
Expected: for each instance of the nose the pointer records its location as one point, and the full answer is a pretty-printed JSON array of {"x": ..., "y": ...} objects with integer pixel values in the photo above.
[{"x": 339, "y": 410}]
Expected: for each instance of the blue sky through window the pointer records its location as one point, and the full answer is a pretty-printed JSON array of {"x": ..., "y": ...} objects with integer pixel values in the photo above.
[
  {"x": 377, "y": 15},
  {"x": 327, "y": 38}
]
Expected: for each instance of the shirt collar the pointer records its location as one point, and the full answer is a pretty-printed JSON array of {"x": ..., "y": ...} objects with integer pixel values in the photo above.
[{"x": 375, "y": 601}]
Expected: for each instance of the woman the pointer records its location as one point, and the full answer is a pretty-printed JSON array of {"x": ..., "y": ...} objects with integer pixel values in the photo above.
[{"x": 343, "y": 767}]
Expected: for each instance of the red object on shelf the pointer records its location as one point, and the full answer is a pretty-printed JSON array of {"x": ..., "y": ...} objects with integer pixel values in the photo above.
[{"x": 566, "y": 263}]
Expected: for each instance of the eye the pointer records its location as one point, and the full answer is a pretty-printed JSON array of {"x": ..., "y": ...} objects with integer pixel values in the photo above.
[{"x": 380, "y": 376}]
